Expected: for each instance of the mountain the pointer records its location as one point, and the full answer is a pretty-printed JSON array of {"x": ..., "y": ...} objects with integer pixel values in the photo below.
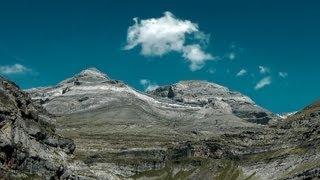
[
  {"x": 286, "y": 115},
  {"x": 310, "y": 112},
  {"x": 98, "y": 113},
  {"x": 205, "y": 94},
  {"x": 28, "y": 142},
  {"x": 91, "y": 89},
  {"x": 188, "y": 130}
]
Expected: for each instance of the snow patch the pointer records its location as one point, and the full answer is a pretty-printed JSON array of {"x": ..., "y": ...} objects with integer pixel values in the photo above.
[{"x": 286, "y": 115}]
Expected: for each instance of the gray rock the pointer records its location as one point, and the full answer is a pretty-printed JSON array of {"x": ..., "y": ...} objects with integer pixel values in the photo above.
[
  {"x": 23, "y": 151},
  {"x": 202, "y": 93}
]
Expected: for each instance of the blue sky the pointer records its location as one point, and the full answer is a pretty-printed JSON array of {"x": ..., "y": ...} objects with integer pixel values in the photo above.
[{"x": 44, "y": 42}]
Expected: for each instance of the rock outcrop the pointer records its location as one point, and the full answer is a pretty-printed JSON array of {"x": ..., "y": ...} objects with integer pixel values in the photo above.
[
  {"x": 205, "y": 94},
  {"x": 29, "y": 146}
]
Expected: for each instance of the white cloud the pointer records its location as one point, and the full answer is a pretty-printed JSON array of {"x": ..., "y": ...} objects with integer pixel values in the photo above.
[
  {"x": 263, "y": 82},
  {"x": 148, "y": 85},
  {"x": 242, "y": 72},
  {"x": 196, "y": 56},
  {"x": 234, "y": 52},
  {"x": 159, "y": 36},
  {"x": 14, "y": 69},
  {"x": 264, "y": 70},
  {"x": 211, "y": 71},
  {"x": 231, "y": 55},
  {"x": 283, "y": 74}
]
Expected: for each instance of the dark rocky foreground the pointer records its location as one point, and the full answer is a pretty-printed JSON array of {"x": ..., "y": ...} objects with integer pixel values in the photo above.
[
  {"x": 189, "y": 130},
  {"x": 29, "y": 146}
]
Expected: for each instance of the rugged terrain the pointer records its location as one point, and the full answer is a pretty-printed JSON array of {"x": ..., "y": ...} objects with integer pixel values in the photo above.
[
  {"x": 205, "y": 94},
  {"x": 188, "y": 130},
  {"x": 29, "y": 146}
]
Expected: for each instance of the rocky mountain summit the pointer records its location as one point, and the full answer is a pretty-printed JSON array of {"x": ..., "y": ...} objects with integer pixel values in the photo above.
[
  {"x": 188, "y": 130},
  {"x": 74, "y": 94},
  {"x": 206, "y": 94},
  {"x": 29, "y": 145}
]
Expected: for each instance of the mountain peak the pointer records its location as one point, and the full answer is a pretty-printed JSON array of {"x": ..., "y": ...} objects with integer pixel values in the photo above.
[
  {"x": 92, "y": 71},
  {"x": 207, "y": 94},
  {"x": 196, "y": 90},
  {"x": 87, "y": 76},
  {"x": 201, "y": 84}
]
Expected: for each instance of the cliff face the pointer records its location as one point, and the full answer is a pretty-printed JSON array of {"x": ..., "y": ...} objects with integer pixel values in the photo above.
[{"x": 28, "y": 143}]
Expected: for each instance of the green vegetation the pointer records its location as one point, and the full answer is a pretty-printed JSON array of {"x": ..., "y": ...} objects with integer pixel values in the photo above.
[
  {"x": 172, "y": 171},
  {"x": 228, "y": 171},
  {"x": 166, "y": 173},
  {"x": 272, "y": 155},
  {"x": 231, "y": 171}
]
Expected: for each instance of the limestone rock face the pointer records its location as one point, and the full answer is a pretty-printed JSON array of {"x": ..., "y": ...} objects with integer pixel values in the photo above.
[
  {"x": 91, "y": 75},
  {"x": 202, "y": 93},
  {"x": 88, "y": 90},
  {"x": 28, "y": 143}
]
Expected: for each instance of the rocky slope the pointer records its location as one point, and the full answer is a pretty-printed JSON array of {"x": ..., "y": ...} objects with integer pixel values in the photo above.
[
  {"x": 205, "y": 94},
  {"x": 29, "y": 146},
  {"x": 287, "y": 149},
  {"x": 188, "y": 130}
]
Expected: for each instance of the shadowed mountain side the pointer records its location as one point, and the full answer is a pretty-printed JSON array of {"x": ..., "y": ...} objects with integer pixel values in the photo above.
[{"x": 29, "y": 146}]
